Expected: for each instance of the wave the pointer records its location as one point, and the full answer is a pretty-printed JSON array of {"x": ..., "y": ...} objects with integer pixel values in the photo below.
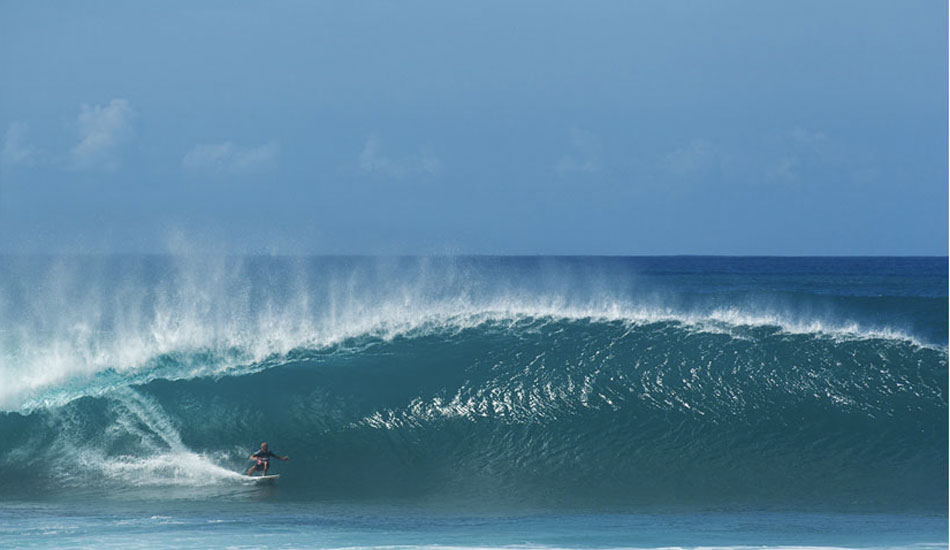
[
  {"x": 575, "y": 409},
  {"x": 502, "y": 382}
]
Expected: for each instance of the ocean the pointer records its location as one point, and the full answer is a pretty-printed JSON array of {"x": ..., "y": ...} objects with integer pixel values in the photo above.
[{"x": 474, "y": 402}]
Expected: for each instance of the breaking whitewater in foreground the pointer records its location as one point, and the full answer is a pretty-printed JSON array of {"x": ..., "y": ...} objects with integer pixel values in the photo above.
[{"x": 596, "y": 402}]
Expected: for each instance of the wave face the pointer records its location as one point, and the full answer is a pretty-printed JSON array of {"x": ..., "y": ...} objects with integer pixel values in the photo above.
[{"x": 583, "y": 382}]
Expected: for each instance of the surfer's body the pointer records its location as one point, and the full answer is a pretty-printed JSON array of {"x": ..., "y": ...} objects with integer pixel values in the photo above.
[{"x": 263, "y": 457}]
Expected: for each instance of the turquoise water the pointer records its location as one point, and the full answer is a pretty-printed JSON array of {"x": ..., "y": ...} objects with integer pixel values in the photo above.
[
  {"x": 474, "y": 402},
  {"x": 284, "y": 525}
]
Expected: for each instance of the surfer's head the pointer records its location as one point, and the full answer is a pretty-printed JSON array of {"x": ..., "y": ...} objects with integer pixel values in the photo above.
[{"x": 264, "y": 446}]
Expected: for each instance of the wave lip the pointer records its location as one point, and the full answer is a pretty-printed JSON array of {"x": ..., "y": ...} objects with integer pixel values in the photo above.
[
  {"x": 52, "y": 376},
  {"x": 67, "y": 321}
]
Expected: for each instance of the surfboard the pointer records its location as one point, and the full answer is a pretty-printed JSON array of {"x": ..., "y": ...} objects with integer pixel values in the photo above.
[{"x": 263, "y": 479}]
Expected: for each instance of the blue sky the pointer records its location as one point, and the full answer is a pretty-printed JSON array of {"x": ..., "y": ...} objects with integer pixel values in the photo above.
[{"x": 475, "y": 127}]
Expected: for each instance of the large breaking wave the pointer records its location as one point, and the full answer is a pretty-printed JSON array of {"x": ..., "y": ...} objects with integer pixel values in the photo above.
[{"x": 498, "y": 383}]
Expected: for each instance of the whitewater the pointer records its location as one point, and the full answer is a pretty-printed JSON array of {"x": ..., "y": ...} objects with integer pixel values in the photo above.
[{"x": 552, "y": 402}]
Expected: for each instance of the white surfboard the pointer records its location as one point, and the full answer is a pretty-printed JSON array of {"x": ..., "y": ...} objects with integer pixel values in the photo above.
[{"x": 263, "y": 479}]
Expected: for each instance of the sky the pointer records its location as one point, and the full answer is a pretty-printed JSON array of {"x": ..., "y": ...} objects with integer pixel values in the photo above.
[{"x": 379, "y": 127}]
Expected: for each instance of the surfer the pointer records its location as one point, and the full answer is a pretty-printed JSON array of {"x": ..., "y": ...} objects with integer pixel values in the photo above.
[{"x": 263, "y": 457}]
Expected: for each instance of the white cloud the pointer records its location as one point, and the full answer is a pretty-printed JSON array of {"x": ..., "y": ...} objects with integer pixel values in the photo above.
[
  {"x": 586, "y": 157},
  {"x": 374, "y": 162},
  {"x": 15, "y": 149},
  {"x": 229, "y": 158},
  {"x": 102, "y": 130}
]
